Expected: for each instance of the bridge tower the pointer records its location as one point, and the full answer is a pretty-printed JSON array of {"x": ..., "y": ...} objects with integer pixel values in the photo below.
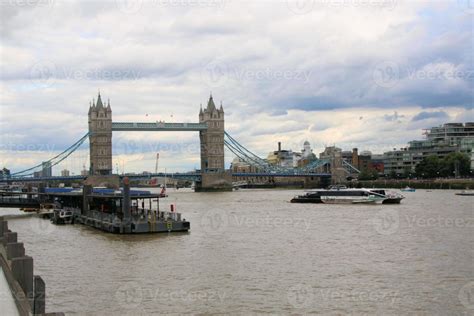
[
  {"x": 100, "y": 138},
  {"x": 213, "y": 173}
]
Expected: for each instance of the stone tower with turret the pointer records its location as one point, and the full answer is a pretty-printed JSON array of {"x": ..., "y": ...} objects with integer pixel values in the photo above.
[
  {"x": 100, "y": 138},
  {"x": 212, "y": 139}
]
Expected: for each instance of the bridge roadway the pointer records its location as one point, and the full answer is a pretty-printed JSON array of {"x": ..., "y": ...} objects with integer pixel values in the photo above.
[
  {"x": 194, "y": 176},
  {"x": 158, "y": 126}
]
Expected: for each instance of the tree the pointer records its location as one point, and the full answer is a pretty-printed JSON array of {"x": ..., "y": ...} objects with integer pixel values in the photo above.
[
  {"x": 406, "y": 173},
  {"x": 368, "y": 174},
  {"x": 456, "y": 161},
  {"x": 393, "y": 174},
  {"x": 429, "y": 167}
]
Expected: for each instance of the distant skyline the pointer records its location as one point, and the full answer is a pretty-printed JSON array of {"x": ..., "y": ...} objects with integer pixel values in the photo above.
[{"x": 366, "y": 74}]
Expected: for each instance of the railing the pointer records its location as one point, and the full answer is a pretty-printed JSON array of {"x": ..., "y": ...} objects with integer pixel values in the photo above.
[{"x": 158, "y": 126}]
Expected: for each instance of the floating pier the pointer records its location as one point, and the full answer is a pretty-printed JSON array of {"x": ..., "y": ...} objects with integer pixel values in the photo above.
[{"x": 122, "y": 211}]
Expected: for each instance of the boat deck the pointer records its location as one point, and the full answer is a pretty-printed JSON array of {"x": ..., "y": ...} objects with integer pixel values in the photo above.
[{"x": 144, "y": 221}]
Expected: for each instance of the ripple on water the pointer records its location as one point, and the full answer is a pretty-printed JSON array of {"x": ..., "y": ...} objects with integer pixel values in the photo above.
[{"x": 337, "y": 264}]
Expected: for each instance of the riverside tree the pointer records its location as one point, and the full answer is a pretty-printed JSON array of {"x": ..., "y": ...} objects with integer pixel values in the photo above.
[{"x": 455, "y": 163}]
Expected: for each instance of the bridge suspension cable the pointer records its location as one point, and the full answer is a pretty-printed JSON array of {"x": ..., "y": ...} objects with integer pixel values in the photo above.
[
  {"x": 249, "y": 157},
  {"x": 245, "y": 150},
  {"x": 55, "y": 160}
]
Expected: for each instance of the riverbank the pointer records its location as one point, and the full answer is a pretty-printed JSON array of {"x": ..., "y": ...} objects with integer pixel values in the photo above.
[{"x": 443, "y": 184}]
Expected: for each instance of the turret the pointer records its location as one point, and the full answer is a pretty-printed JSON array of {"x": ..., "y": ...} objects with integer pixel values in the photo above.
[
  {"x": 212, "y": 139},
  {"x": 100, "y": 137}
]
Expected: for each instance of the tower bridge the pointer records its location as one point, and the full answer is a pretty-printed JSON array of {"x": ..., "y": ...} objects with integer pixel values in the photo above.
[{"x": 212, "y": 136}]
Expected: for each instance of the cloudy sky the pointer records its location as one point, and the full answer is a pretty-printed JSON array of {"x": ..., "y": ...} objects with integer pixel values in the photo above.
[{"x": 355, "y": 73}]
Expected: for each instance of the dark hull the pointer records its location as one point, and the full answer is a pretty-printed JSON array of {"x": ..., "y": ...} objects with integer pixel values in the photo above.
[
  {"x": 305, "y": 200},
  {"x": 392, "y": 201}
]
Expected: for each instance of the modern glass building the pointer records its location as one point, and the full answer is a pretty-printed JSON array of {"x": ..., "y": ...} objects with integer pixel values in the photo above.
[{"x": 440, "y": 141}]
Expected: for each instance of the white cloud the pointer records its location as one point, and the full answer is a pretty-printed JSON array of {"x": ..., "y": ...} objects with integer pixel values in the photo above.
[{"x": 320, "y": 68}]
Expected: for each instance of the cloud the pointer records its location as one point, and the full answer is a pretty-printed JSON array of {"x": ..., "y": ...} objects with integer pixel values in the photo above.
[
  {"x": 429, "y": 115},
  {"x": 283, "y": 72},
  {"x": 393, "y": 117}
]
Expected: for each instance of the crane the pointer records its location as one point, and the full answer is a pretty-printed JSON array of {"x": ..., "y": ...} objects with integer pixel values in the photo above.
[{"x": 156, "y": 165}]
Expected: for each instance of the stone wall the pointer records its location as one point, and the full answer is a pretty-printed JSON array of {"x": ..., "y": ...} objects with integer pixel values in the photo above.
[
  {"x": 218, "y": 181},
  {"x": 28, "y": 290},
  {"x": 112, "y": 181}
]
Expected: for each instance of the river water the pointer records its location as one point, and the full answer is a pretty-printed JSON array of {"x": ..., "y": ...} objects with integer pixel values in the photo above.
[{"x": 252, "y": 252}]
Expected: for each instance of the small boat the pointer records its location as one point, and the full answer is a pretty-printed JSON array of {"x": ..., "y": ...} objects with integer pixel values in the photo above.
[
  {"x": 466, "y": 193},
  {"x": 408, "y": 189},
  {"x": 64, "y": 215}
]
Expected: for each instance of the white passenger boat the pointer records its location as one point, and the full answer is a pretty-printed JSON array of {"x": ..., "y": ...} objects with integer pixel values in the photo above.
[{"x": 343, "y": 195}]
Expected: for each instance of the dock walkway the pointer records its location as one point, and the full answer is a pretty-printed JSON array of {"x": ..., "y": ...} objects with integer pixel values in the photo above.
[{"x": 8, "y": 302}]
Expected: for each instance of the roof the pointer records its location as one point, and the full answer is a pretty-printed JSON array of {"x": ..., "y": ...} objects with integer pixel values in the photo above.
[{"x": 210, "y": 104}]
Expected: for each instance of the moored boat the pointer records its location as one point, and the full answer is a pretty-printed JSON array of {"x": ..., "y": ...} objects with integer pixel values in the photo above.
[
  {"x": 408, "y": 189},
  {"x": 466, "y": 193},
  {"x": 64, "y": 215}
]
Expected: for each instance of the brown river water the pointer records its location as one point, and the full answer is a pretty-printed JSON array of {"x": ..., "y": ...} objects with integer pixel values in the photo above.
[{"x": 252, "y": 252}]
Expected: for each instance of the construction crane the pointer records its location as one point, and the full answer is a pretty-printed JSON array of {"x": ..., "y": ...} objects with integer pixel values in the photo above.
[{"x": 156, "y": 165}]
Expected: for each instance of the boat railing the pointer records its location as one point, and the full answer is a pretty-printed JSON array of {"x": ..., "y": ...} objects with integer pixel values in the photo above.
[
  {"x": 136, "y": 215},
  {"x": 155, "y": 215}
]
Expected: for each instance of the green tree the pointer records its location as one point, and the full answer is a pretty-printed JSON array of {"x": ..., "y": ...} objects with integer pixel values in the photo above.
[
  {"x": 365, "y": 175},
  {"x": 406, "y": 173},
  {"x": 393, "y": 174},
  {"x": 456, "y": 161},
  {"x": 368, "y": 174},
  {"x": 429, "y": 167}
]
